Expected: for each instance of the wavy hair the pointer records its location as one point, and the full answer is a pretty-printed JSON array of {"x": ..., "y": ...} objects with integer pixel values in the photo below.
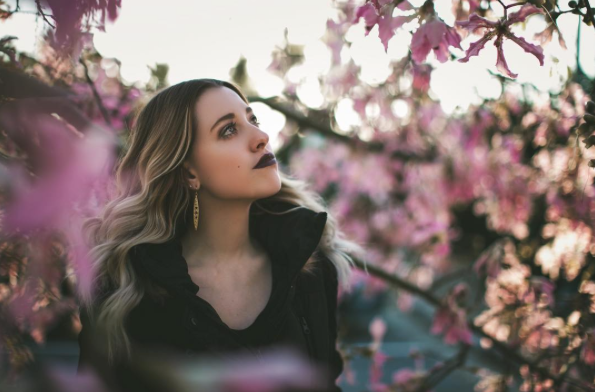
[{"x": 151, "y": 200}]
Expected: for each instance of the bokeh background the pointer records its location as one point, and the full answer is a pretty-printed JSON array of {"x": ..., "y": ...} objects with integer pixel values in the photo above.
[{"x": 470, "y": 187}]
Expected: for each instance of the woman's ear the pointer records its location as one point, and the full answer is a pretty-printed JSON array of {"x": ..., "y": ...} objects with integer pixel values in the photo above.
[{"x": 190, "y": 176}]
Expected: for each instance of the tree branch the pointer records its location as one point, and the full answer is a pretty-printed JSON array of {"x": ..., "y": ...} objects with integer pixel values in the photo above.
[
  {"x": 503, "y": 348},
  {"x": 590, "y": 13},
  {"x": 43, "y": 15},
  {"x": 449, "y": 366},
  {"x": 96, "y": 95},
  {"x": 327, "y": 131}
]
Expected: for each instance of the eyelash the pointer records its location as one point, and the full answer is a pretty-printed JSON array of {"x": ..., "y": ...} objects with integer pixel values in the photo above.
[{"x": 232, "y": 125}]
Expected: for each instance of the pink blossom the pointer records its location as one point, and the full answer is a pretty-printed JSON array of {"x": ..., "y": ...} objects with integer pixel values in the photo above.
[
  {"x": 403, "y": 376},
  {"x": 501, "y": 29},
  {"x": 588, "y": 350},
  {"x": 378, "y": 360},
  {"x": 489, "y": 262},
  {"x": 348, "y": 373},
  {"x": 434, "y": 35},
  {"x": 545, "y": 35},
  {"x": 386, "y": 22},
  {"x": 421, "y": 76},
  {"x": 68, "y": 17},
  {"x": 377, "y": 329},
  {"x": 453, "y": 323}
]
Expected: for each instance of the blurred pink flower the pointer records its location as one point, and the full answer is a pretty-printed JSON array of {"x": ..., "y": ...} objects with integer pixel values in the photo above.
[
  {"x": 403, "y": 376},
  {"x": 453, "y": 323},
  {"x": 65, "y": 380},
  {"x": 545, "y": 35},
  {"x": 281, "y": 368},
  {"x": 452, "y": 319},
  {"x": 588, "y": 350},
  {"x": 434, "y": 35},
  {"x": 378, "y": 360},
  {"x": 490, "y": 260},
  {"x": 386, "y": 22},
  {"x": 421, "y": 76},
  {"x": 377, "y": 329},
  {"x": 72, "y": 167},
  {"x": 68, "y": 16},
  {"x": 501, "y": 29},
  {"x": 348, "y": 373},
  {"x": 407, "y": 379}
]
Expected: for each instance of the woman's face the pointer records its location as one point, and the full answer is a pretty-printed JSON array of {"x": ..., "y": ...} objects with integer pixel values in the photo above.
[{"x": 228, "y": 145}]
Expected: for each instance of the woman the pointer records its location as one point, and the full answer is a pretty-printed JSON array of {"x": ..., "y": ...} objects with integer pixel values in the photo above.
[{"x": 208, "y": 248}]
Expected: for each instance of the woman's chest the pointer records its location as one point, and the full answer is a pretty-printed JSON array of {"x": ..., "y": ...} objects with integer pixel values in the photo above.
[
  {"x": 298, "y": 316},
  {"x": 238, "y": 298}
]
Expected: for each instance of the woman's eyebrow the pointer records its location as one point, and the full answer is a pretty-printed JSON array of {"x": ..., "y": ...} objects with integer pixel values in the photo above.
[{"x": 228, "y": 116}]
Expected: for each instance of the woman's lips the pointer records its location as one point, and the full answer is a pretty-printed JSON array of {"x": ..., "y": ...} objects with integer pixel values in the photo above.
[{"x": 267, "y": 160}]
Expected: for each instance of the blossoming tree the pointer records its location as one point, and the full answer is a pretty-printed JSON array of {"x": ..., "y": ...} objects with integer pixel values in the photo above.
[{"x": 508, "y": 184}]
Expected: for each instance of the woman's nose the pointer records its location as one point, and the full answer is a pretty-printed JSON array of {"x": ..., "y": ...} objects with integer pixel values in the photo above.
[{"x": 261, "y": 138}]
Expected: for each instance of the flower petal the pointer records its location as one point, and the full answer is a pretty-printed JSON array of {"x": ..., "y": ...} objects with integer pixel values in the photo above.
[
  {"x": 420, "y": 46},
  {"x": 476, "y": 46},
  {"x": 405, "y": 6},
  {"x": 452, "y": 37},
  {"x": 385, "y": 30},
  {"x": 476, "y": 22},
  {"x": 368, "y": 12},
  {"x": 527, "y": 47},
  {"x": 519, "y": 16},
  {"x": 387, "y": 26},
  {"x": 434, "y": 30},
  {"x": 501, "y": 61},
  {"x": 441, "y": 52}
]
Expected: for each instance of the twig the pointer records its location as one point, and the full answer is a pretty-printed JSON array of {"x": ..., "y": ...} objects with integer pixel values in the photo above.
[
  {"x": 450, "y": 365},
  {"x": 301, "y": 119},
  {"x": 17, "y": 8},
  {"x": 578, "y": 44},
  {"x": 400, "y": 283},
  {"x": 590, "y": 13},
  {"x": 43, "y": 15},
  {"x": 331, "y": 134},
  {"x": 515, "y": 4},
  {"x": 96, "y": 95},
  {"x": 449, "y": 277},
  {"x": 505, "y": 9},
  {"x": 503, "y": 348}
]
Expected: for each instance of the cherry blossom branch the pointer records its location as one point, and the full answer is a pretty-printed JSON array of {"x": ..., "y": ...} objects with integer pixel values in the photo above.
[
  {"x": 43, "y": 15},
  {"x": 449, "y": 366},
  {"x": 327, "y": 131},
  {"x": 17, "y": 8},
  {"x": 503, "y": 348},
  {"x": 506, "y": 7},
  {"x": 96, "y": 95},
  {"x": 449, "y": 277},
  {"x": 301, "y": 119}
]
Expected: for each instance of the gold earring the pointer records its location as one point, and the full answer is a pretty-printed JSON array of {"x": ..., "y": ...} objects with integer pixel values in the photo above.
[{"x": 196, "y": 210}]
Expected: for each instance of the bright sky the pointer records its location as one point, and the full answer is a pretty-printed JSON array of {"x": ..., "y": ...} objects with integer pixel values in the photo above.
[{"x": 206, "y": 38}]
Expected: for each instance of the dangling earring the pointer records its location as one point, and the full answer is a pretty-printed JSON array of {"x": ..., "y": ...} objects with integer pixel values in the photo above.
[{"x": 196, "y": 210}]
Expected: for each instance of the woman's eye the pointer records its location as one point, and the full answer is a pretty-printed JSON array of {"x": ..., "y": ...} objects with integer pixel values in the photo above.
[{"x": 231, "y": 126}]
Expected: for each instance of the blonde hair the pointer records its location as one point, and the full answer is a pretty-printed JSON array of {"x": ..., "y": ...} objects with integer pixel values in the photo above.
[{"x": 151, "y": 199}]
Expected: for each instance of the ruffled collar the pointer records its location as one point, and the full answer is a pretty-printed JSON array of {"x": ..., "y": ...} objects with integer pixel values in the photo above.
[{"x": 290, "y": 239}]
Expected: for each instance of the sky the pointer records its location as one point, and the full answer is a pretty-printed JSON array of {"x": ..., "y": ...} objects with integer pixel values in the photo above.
[{"x": 199, "y": 38}]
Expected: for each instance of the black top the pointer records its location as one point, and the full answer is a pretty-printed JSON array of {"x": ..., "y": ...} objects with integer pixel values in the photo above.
[{"x": 299, "y": 313}]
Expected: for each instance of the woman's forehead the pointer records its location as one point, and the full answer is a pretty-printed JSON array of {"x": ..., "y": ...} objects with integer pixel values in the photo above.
[{"x": 215, "y": 103}]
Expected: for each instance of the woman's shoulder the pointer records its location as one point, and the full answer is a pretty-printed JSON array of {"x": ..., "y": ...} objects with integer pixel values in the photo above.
[{"x": 321, "y": 275}]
